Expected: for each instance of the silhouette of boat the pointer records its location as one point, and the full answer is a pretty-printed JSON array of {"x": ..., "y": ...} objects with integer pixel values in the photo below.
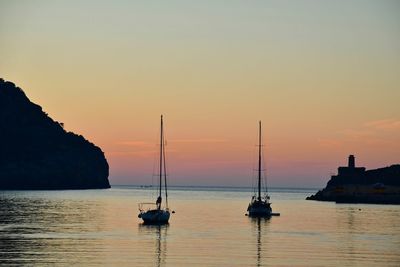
[
  {"x": 159, "y": 214},
  {"x": 260, "y": 206}
]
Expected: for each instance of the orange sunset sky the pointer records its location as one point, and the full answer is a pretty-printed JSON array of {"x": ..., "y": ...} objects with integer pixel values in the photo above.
[{"x": 323, "y": 76}]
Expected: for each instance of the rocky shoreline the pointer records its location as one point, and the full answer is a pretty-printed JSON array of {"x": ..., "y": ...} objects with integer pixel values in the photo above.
[
  {"x": 359, "y": 194},
  {"x": 357, "y": 185}
]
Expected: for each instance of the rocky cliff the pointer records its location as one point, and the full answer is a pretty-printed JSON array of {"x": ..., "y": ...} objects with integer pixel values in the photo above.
[{"x": 36, "y": 153}]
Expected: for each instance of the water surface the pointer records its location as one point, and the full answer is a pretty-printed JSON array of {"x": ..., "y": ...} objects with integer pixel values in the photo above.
[{"x": 100, "y": 227}]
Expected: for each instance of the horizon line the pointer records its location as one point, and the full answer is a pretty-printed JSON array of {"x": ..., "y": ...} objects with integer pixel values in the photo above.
[{"x": 217, "y": 186}]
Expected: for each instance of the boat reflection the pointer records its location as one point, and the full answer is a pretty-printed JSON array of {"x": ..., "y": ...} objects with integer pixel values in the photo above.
[
  {"x": 260, "y": 230},
  {"x": 156, "y": 236}
]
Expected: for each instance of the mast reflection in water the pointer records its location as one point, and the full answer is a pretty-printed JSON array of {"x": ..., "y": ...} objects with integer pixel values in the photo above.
[
  {"x": 158, "y": 235},
  {"x": 260, "y": 231}
]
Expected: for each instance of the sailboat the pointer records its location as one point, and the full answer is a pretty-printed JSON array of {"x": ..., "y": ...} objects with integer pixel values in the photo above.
[
  {"x": 260, "y": 206},
  {"x": 159, "y": 214}
]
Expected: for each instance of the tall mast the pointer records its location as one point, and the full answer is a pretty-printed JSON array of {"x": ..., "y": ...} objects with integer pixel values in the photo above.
[
  {"x": 259, "y": 162},
  {"x": 165, "y": 174},
  {"x": 161, "y": 154}
]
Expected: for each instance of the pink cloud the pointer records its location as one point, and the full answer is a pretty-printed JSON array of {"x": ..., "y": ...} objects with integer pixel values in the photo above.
[
  {"x": 385, "y": 124},
  {"x": 374, "y": 133},
  {"x": 135, "y": 143},
  {"x": 329, "y": 142},
  {"x": 200, "y": 140}
]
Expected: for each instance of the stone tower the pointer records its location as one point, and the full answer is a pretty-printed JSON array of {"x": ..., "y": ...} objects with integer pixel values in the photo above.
[{"x": 352, "y": 162}]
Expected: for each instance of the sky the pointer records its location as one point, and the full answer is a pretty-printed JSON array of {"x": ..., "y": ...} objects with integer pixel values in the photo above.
[{"x": 322, "y": 76}]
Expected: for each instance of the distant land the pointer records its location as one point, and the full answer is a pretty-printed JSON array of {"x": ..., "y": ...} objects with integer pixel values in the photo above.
[
  {"x": 36, "y": 153},
  {"x": 356, "y": 185}
]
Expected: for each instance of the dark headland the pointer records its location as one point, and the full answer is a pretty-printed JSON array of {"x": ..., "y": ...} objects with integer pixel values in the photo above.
[
  {"x": 356, "y": 185},
  {"x": 36, "y": 153}
]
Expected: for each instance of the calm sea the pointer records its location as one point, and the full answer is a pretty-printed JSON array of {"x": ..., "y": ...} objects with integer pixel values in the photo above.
[{"x": 209, "y": 228}]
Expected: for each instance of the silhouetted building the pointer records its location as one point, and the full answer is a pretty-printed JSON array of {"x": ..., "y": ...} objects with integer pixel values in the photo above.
[
  {"x": 352, "y": 161},
  {"x": 351, "y": 169},
  {"x": 356, "y": 185}
]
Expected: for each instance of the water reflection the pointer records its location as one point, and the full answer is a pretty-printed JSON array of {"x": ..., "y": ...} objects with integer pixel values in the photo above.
[
  {"x": 260, "y": 228},
  {"x": 367, "y": 230},
  {"x": 99, "y": 228},
  {"x": 350, "y": 232},
  {"x": 158, "y": 233},
  {"x": 31, "y": 229}
]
